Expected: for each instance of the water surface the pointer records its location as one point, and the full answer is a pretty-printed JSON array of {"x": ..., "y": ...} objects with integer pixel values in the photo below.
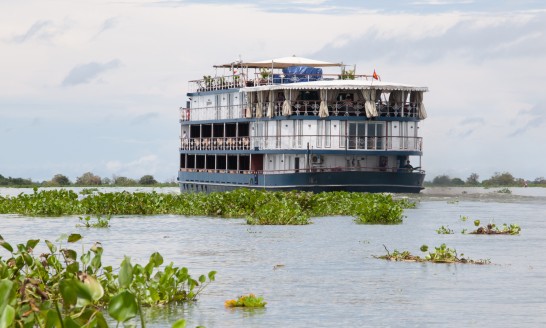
[{"x": 325, "y": 274}]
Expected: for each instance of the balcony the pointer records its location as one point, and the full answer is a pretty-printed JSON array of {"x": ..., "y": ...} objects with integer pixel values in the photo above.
[
  {"x": 317, "y": 142},
  {"x": 300, "y": 108}
]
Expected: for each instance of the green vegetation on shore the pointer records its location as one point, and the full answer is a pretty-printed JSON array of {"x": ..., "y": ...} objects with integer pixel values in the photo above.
[
  {"x": 87, "y": 179},
  {"x": 503, "y": 179},
  {"x": 257, "y": 206}
]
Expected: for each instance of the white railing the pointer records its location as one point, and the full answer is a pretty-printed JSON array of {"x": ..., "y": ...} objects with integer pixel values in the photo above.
[
  {"x": 307, "y": 170},
  {"x": 212, "y": 113},
  {"x": 299, "y": 108},
  {"x": 210, "y": 83},
  {"x": 223, "y": 143},
  {"x": 327, "y": 142}
]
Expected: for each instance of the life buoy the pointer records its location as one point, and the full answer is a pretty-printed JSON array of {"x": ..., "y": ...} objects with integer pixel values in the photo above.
[{"x": 187, "y": 114}]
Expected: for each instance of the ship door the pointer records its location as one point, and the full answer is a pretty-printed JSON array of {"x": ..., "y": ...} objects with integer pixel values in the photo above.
[
  {"x": 257, "y": 162},
  {"x": 296, "y": 164}
]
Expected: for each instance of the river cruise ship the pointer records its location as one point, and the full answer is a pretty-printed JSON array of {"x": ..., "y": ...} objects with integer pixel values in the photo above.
[{"x": 287, "y": 124}]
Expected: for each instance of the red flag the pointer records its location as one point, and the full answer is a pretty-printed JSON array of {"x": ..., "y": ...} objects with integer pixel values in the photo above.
[{"x": 375, "y": 76}]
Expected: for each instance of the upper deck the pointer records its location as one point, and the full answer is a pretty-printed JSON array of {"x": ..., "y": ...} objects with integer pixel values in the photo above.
[{"x": 282, "y": 88}]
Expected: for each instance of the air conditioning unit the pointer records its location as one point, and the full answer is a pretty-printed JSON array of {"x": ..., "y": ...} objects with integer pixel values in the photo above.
[{"x": 316, "y": 159}]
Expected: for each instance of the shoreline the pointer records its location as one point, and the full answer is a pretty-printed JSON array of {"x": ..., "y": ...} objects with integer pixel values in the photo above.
[{"x": 429, "y": 193}]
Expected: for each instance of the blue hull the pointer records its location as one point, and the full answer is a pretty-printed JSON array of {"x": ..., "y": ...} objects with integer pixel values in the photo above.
[{"x": 353, "y": 181}]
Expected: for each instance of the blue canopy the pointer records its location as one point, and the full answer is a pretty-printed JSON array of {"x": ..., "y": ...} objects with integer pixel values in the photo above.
[{"x": 301, "y": 74}]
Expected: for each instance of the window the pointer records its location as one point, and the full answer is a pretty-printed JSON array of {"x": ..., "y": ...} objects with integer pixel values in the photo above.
[
  {"x": 366, "y": 135},
  {"x": 278, "y": 133},
  {"x": 342, "y": 136},
  {"x": 320, "y": 128},
  {"x": 298, "y": 130},
  {"x": 327, "y": 133},
  {"x": 259, "y": 134}
]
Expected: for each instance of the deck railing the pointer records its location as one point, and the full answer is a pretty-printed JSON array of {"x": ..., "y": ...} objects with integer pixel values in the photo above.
[
  {"x": 299, "y": 108},
  {"x": 306, "y": 170},
  {"x": 326, "y": 142},
  {"x": 211, "y": 83}
]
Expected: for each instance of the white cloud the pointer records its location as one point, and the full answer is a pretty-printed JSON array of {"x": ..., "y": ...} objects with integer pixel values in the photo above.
[
  {"x": 141, "y": 166},
  {"x": 85, "y": 73},
  {"x": 38, "y": 30},
  {"x": 483, "y": 70}
]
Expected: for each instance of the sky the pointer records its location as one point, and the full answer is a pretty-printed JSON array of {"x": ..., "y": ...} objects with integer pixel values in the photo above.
[{"x": 96, "y": 86}]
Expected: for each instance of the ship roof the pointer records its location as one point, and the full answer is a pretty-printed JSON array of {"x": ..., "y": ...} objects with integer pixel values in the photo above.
[
  {"x": 339, "y": 84},
  {"x": 282, "y": 62}
]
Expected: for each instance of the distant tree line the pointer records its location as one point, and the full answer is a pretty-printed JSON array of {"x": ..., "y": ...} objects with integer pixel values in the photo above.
[
  {"x": 498, "y": 179},
  {"x": 86, "y": 179},
  {"x": 504, "y": 179}
]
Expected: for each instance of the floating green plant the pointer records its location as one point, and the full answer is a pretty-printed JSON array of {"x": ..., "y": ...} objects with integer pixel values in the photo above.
[
  {"x": 493, "y": 229},
  {"x": 247, "y": 301},
  {"x": 258, "y": 206},
  {"x": 444, "y": 231},
  {"x": 87, "y": 222},
  {"x": 61, "y": 289},
  {"x": 88, "y": 191},
  {"x": 441, "y": 254}
]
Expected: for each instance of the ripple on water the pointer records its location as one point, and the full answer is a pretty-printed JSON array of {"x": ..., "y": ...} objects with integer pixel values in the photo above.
[{"x": 324, "y": 274}]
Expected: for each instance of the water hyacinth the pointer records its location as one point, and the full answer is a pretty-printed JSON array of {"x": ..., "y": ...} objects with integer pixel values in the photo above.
[
  {"x": 441, "y": 254},
  {"x": 247, "y": 301},
  {"x": 257, "y": 206},
  {"x": 34, "y": 289}
]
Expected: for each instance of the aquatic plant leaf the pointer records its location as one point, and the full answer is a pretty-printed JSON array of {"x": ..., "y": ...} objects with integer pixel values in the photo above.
[
  {"x": 32, "y": 243},
  {"x": 74, "y": 292},
  {"x": 157, "y": 259},
  {"x": 96, "y": 262},
  {"x": 100, "y": 321},
  {"x": 85, "y": 258},
  {"x": 21, "y": 248},
  {"x": 69, "y": 254},
  {"x": 125, "y": 276},
  {"x": 6, "y": 245},
  {"x": 7, "y": 316},
  {"x": 97, "y": 248},
  {"x": 74, "y": 237},
  {"x": 51, "y": 246},
  {"x": 123, "y": 306},
  {"x": 94, "y": 287},
  {"x": 52, "y": 319},
  {"x": 70, "y": 323},
  {"x": 28, "y": 259},
  {"x": 179, "y": 324},
  {"x": 6, "y": 287},
  {"x": 212, "y": 275}
]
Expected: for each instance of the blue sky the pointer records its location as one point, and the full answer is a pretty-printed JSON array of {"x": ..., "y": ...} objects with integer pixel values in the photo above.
[{"x": 96, "y": 85}]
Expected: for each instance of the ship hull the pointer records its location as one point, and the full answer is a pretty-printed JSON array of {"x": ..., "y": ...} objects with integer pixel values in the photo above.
[{"x": 395, "y": 182}]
